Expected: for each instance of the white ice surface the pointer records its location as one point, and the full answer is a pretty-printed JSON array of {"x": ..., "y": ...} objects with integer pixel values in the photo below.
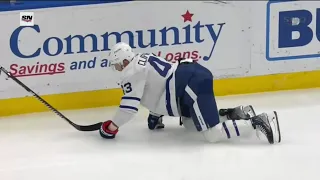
[{"x": 42, "y": 146}]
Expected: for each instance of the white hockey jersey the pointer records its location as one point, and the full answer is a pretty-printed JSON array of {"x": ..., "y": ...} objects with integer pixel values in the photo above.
[{"x": 150, "y": 81}]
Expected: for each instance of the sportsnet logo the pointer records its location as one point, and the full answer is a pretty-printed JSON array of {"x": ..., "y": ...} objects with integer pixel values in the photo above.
[{"x": 26, "y": 19}]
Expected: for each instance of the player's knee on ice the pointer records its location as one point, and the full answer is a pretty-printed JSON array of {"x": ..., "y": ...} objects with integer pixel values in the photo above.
[
  {"x": 188, "y": 124},
  {"x": 229, "y": 129}
]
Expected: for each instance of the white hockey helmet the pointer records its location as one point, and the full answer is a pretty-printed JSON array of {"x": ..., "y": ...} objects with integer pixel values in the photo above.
[{"x": 120, "y": 52}]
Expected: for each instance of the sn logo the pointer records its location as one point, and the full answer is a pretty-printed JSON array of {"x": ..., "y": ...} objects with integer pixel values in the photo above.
[
  {"x": 26, "y": 19},
  {"x": 293, "y": 30}
]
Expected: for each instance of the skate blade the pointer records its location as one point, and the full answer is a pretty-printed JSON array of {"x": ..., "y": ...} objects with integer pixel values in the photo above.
[{"x": 274, "y": 123}]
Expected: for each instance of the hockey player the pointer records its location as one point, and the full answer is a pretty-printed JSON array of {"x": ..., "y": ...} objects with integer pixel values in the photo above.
[{"x": 185, "y": 90}]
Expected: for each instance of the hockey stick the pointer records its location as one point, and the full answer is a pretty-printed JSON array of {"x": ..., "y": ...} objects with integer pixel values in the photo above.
[{"x": 92, "y": 127}]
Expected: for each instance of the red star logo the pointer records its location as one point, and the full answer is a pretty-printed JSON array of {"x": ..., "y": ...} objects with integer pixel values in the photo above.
[{"x": 187, "y": 16}]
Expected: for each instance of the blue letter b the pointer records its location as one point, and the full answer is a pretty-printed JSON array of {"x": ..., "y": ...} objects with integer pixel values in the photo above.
[{"x": 287, "y": 27}]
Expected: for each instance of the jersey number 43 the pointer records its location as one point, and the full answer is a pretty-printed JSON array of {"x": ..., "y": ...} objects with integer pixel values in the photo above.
[
  {"x": 126, "y": 88},
  {"x": 160, "y": 66}
]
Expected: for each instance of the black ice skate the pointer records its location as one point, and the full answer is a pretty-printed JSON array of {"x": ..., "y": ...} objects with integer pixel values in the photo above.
[
  {"x": 268, "y": 124},
  {"x": 238, "y": 113}
]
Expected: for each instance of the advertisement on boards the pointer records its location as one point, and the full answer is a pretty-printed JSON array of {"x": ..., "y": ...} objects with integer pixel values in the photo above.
[
  {"x": 293, "y": 30},
  {"x": 67, "y": 50}
]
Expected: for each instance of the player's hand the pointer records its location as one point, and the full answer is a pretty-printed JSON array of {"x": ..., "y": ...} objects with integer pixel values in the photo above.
[
  {"x": 105, "y": 132},
  {"x": 155, "y": 121}
]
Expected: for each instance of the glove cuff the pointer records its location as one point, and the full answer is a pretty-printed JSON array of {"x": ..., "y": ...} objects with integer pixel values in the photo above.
[{"x": 105, "y": 128}]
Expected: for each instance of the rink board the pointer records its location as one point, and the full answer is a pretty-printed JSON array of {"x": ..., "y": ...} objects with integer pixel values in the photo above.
[
  {"x": 244, "y": 44},
  {"x": 100, "y": 98}
]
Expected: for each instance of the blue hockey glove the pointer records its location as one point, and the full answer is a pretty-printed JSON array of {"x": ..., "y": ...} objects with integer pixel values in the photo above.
[
  {"x": 155, "y": 121},
  {"x": 105, "y": 132}
]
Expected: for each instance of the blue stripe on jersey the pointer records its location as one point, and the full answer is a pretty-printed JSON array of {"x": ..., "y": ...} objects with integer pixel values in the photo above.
[
  {"x": 226, "y": 129},
  {"x": 131, "y": 98},
  {"x": 128, "y": 107},
  {"x": 236, "y": 127},
  {"x": 168, "y": 104}
]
